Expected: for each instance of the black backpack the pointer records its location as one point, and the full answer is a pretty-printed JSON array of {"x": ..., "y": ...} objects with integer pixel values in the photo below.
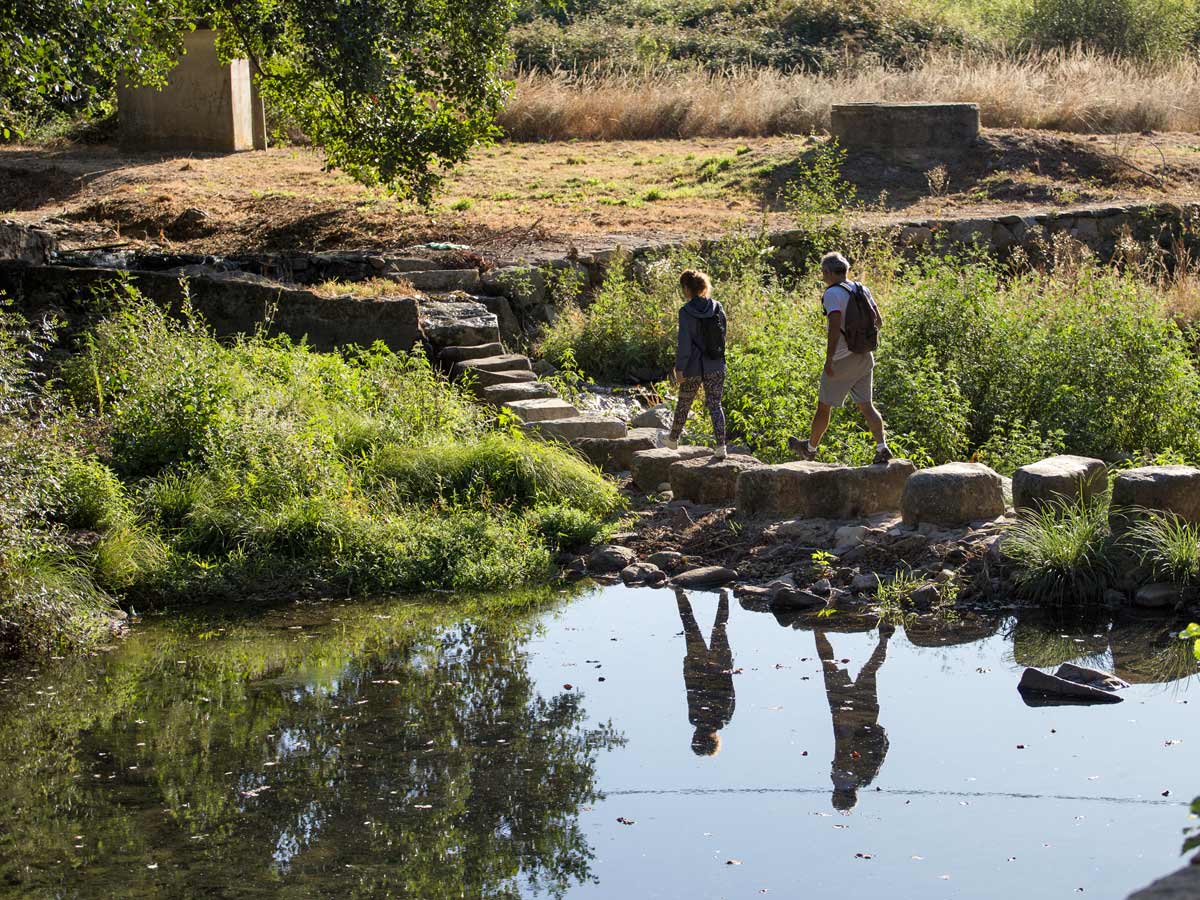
[
  {"x": 712, "y": 335},
  {"x": 859, "y": 322}
]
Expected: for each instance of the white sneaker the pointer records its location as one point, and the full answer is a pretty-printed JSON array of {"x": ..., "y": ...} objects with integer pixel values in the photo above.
[
  {"x": 666, "y": 441},
  {"x": 720, "y": 453}
]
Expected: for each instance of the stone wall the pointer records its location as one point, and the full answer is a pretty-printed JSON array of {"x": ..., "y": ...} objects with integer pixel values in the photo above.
[{"x": 231, "y": 305}]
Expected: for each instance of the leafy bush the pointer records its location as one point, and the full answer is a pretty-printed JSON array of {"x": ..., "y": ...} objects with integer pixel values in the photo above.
[
  {"x": 90, "y": 494},
  {"x": 1142, "y": 29},
  {"x": 1062, "y": 551},
  {"x": 565, "y": 527}
]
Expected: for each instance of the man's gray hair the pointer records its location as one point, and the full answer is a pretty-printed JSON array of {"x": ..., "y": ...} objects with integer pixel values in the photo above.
[{"x": 835, "y": 264}]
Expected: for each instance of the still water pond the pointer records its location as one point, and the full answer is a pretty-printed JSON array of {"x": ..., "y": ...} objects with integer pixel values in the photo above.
[{"x": 621, "y": 743}]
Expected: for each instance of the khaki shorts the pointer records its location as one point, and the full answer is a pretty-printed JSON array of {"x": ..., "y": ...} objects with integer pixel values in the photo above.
[{"x": 852, "y": 375}]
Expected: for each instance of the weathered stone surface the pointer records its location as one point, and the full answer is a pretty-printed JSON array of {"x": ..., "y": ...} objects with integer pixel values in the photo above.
[
  {"x": 643, "y": 573},
  {"x": 1157, "y": 596},
  {"x": 458, "y": 323},
  {"x": 485, "y": 378},
  {"x": 1037, "y": 682},
  {"x": 577, "y": 427},
  {"x": 451, "y": 355},
  {"x": 1164, "y": 488},
  {"x": 906, "y": 130},
  {"x": 542, "y": 409},
  {"x": 444, "y": 280},
  {"x": 24, "y": 243},
  {"x": 822, "y": 490},
  {"x": 650, "y": 468},
  {"x": 656, "y": 417},
  {"x": 1057, "y": 479},
  {"x": 1089, "y": 676},
  {"x": 791, "y": 598},
  {"x": 865, "y": 583},
  {"x": 667, "y": 560},
  {"x": 610, "y": 558},
  {"x": 709, "y": 481},
  {"x": 705, "y": 576},
  {"x": 497, "y": 394},
  {"x": 505, "y": 362},
  {"x": 953, "y": 494},
  {"x": 507, "y": 321},
  {"x": 616, "y": 454}
]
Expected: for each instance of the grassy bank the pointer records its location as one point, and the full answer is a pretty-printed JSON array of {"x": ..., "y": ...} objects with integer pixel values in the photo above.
[
  {"x": 1054, "y": 90},
  {"x": 156, "y": 465},
  {"x": 978, "y": 361}
]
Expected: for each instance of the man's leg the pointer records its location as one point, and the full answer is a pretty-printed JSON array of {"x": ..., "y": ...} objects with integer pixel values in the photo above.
[
  {"x": 862, "y": 393},
  {"x": 874, "y": 421},
  {"x": 820, "y": 424}
]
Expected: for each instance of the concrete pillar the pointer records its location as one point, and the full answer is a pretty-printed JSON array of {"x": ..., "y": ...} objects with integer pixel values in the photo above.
[
  {"x": 258, "y": 112},
  {"x": 906, "y": 130},
  {"x": 205, "y": 106}
]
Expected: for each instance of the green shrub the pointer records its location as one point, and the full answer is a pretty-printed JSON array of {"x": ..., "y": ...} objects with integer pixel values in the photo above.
[
  {"x": 90, "y": 494},
  {"x": 1062, "y": 551},
  {"x": 1142, "y": 29},
  {"x": 1168, "y": 545},
  {"x": 565, "y": 527}
]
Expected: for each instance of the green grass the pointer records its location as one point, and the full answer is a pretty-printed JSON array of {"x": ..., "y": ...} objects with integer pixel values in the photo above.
[
  {"x": 172, "y": 467},
  {"x": 1167, "y": 545},
  {"x": 1062, "y": 551}
]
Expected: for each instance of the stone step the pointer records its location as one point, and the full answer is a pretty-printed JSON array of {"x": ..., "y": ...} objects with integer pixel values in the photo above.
[
  {"x": 650, "y": 468},
  {"x": 542, "y": 409},
  {"x": 813, "y": 490},
  {"x": 444, "y": 280},
  {"x": 498, "y": 394},
  {"x": 458, "y": 323},
  {"x": 505, "y": 362},
  {"x": 708, "y": 480},
  {"x": 484, "y": 378},
  {"x": 616, "y": 454},
  {"x": 577, "y": 427},
  {"x": 452, "y": 355}
]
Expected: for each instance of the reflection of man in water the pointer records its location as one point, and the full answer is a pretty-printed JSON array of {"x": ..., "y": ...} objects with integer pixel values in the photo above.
[
  {"x": 707, "y": 675},
  {"x": 860, "y": 743}
]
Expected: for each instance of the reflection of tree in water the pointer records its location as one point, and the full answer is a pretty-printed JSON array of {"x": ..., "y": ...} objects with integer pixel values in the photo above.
[
  {"x": 429, "y": 769},
  {"x": 860, "y": 742},
  {"x": 707, "y": 675}
]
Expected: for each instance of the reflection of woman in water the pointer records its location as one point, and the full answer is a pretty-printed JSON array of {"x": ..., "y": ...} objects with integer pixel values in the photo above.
[
  {"x": 860, "y": 743},
  {"x": 707, "y": 676}
]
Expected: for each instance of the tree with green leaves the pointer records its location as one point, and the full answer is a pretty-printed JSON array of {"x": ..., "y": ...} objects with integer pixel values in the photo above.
[{"x": 394, "y": 91}]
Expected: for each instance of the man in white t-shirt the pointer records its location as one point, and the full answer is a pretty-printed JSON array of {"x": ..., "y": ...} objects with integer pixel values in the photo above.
[{"x": 845, "y": 372}]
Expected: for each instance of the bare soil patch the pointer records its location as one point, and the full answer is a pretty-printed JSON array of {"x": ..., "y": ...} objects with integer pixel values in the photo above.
[{"x": 523, "y": 199}]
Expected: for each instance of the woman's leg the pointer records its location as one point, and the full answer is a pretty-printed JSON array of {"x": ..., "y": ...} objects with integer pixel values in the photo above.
[
  {"x": 688, "y": 388},
  {"x": 714, "y": 388}
]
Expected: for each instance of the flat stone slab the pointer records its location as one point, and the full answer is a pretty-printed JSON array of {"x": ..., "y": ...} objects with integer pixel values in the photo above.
[
  {"x": 1058, "y": 479},
  {"x": 1173, "y": 489},
  {"x": 906, "y": 129},
  {"x": 451, "y": 355},
  {"x": 576, "y": 427},
  {"x": 652, "y": 467},
  {"x": 486, "y": 378},
  {"x": 953, "y": 494},
  {"x": 822, "y": 490},
  {"x": 705, "y": 576},
  {"x": 708, "y": 480},
  {"x": 458, "y": 323},
  {"x": 1055, "y": 686},
  {"x": 498, "y": 394},
  {"x": 447, "y": 280},
  {"x": 505, "y": 362},
  {"x": 616, "y": 454},
  {"x": 542, "y": 409}
]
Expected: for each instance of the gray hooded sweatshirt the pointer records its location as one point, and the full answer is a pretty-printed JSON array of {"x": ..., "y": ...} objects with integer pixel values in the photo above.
[{"x": 689, "y": 355}]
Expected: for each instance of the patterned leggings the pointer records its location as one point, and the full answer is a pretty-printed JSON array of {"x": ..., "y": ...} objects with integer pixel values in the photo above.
[{"x": 714, "y": 387}]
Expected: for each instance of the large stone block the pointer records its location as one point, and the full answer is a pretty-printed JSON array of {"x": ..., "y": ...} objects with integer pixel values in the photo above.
[
  {"x": 1173, "y": 489},
  {"x": 953, "y": 494},
  {"x": 1058, "y": 478},
  {"x": 906, "y": 130},
  {"x": 576, "y": 427},
  {"x": 821, "y": 490},
  {"x": 506, "y": 362},
  {"x": 458, "y": 323},
  {"x": 205, "y": 105},
  {"x": 708, "y": 480},
  {"x": 487, "y": 378},
  {"x": 616, "y": 454},
  {"x": 650, "y": 468},
  {"x": 542, "y": 409},
  {"x": 507, "y": 393}
]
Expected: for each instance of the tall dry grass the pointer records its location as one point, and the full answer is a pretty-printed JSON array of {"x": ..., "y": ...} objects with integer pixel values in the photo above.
[{"x": 1074, "y": 91}]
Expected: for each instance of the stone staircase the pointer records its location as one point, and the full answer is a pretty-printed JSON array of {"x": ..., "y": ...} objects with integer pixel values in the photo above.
[{"x": 465, "y": 341}]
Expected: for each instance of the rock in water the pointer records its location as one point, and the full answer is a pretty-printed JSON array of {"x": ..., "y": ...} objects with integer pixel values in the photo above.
[
  {"x": 1058, "y": 479},
  {"x": 1157, "y": 596},
  {"x": 953, "y": 494},
  {"x": 667, "y": 560},
  {"x": 643, "y": 573},
  {"x": 1042, "y": 685},
  {"x": 610, "y": 558},
  {"x": 705, "y": 576}
]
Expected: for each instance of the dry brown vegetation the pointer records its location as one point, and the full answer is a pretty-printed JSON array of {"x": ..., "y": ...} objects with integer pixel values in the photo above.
[{"x": 1077, "y": 92}]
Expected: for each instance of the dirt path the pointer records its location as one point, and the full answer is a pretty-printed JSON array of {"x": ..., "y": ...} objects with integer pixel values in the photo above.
[{"x": 543, "y": 199}]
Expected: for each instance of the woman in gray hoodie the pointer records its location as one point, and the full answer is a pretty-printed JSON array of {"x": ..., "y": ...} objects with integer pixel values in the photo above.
[{"x": 699, "y": 357}]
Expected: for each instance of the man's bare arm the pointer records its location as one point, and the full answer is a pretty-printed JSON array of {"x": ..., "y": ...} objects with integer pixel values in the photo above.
[{"x": 831, "y": 342}]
